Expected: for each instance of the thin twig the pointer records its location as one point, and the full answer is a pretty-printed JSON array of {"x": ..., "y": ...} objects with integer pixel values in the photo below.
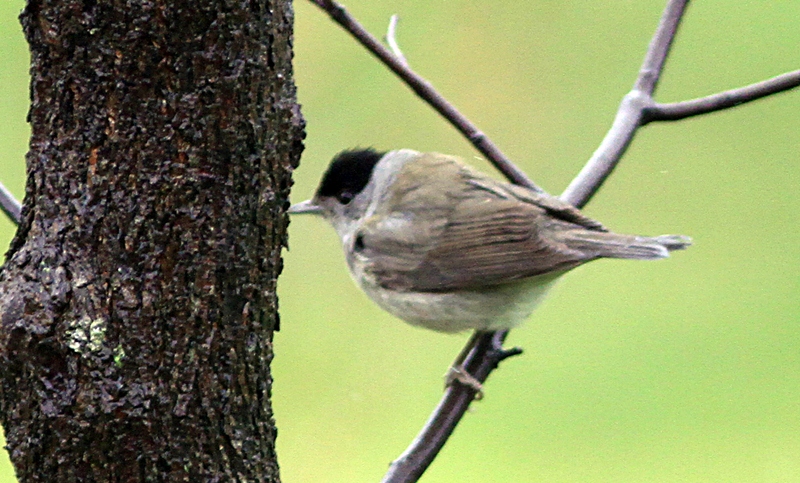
[
  {"x": 10, "y": 206},
  {"x": 425, "y": 90},
  {"x": 656, "y": 56},
  {"x": 631, "y": 111},
  {"x": 676, "y": 111},
  {"x": 391, "y": 39}
]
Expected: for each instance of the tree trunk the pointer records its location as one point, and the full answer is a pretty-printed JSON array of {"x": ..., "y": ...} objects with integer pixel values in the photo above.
[{"x": 137, "y": 303}]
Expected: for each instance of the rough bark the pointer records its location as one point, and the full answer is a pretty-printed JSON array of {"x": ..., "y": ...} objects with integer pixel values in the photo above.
[{"x": 137, "y": 303}]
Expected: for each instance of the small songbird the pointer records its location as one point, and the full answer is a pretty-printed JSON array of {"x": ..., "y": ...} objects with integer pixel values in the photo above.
[{"x": 440, "y": 245}]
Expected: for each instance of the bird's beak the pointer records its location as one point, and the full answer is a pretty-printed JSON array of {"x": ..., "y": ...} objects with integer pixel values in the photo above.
[{"x": 306, "y": 207}]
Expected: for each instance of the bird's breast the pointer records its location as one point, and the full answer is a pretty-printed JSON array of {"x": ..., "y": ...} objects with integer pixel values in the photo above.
[{"x": 485, "y": 308}]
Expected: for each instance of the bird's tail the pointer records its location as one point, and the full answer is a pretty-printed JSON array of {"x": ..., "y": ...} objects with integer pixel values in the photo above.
[{"x": 612, "y": 245}]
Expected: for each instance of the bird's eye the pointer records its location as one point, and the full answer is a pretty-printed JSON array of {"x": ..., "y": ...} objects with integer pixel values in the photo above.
[
  {"x": 345, "y": 197},
  {"x": 358, "y": 245}
]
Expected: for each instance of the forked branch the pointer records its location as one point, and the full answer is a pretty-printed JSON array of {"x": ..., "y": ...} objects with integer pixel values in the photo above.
[
  {"x": 636, "y": 110},
  {"x": 631, "y": 111}
]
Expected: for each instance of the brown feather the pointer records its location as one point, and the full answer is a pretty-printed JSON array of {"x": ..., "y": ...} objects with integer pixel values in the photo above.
[{"x": 484, "y": 233}]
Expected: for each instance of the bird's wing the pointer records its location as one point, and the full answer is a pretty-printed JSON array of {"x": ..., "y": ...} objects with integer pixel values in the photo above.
[
  {"x": 552, "y": 205},
  {"x": 463, "y": 236}
]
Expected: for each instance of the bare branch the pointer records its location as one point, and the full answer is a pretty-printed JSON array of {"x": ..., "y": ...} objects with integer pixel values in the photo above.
[
  {"x": 391, "y": 39},
  {"x": 605, "y": 158},
  {"x": 657, "y": 52},
  {"x": 676, "y": 111},
  {"x": 631, "y": 111},
  {"x": 486, "y": 353},
  {"x": 425, "y": 90},
  {"x": 10, "y": 206}
]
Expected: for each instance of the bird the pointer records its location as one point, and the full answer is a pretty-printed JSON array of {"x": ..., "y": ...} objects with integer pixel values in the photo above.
[{"x": 441, "y": 245}]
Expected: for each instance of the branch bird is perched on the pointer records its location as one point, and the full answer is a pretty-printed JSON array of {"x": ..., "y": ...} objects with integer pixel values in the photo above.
[{"x": 443, "y": 246}]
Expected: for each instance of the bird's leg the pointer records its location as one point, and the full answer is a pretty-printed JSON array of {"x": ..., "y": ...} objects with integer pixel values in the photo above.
[
  {"x": 457, "y": 371},
  {"x": 496, "y": 353}
]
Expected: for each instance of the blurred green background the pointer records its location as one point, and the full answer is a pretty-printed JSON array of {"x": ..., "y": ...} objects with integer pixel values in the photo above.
[{"x": 684, "y": 370}]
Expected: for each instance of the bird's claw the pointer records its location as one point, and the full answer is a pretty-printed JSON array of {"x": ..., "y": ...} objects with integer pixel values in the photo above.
[{"x": 460, "y": 374}]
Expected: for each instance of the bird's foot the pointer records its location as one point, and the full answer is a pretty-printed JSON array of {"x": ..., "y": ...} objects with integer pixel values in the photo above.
[{"x": 459, "y": 373}]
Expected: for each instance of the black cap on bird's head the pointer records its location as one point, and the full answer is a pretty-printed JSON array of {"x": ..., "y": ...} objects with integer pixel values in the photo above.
[{"x": 347, "y": 175}]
